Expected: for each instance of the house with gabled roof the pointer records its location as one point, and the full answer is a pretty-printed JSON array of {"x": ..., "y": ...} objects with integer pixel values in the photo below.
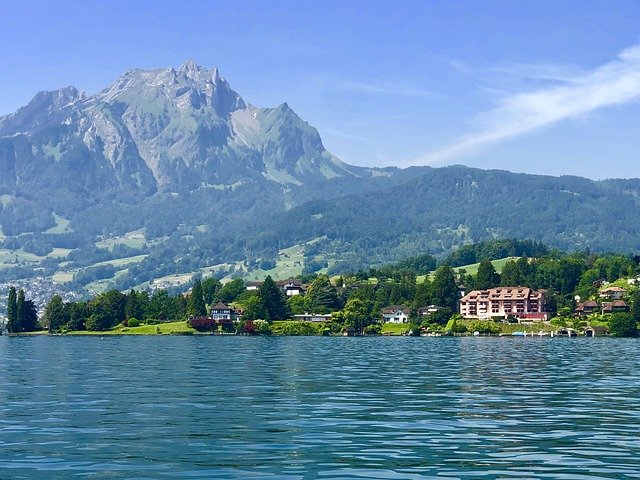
[
  {"x": 613, "y": 293},
  {"x": 396, "y": 314}
]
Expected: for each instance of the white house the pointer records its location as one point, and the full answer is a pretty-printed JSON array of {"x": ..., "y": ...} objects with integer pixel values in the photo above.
[
  {"x": 395, "y": 314},
  {"x": 313, "y": 317}
]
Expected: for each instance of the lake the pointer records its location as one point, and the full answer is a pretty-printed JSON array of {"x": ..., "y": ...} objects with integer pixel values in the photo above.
[{"x": 159, "y": 407}]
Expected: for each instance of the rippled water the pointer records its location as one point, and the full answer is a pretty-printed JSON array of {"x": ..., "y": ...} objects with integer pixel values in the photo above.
[{"x": 240, "y": 407}]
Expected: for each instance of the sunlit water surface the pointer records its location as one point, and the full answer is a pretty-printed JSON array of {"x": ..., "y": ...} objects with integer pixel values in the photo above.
[{"x": 310, "y": 407}]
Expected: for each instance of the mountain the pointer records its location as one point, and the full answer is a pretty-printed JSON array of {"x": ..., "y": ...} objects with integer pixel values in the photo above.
[
  {"x": 161, "y": 130},
  {"x": 171, "y": 171}
]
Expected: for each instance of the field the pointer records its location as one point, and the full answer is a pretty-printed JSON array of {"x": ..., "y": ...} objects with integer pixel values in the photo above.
[
  {"x": 134, "y": 239},
  {"x": 290, "y": 263},
  {"x": 472, "y": 269},
  {"x": 62, "y": 225},
  {"x": 161, "y": 328}
]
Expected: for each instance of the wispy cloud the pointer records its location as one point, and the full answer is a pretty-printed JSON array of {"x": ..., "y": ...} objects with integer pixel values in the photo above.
[
  {"x": 572, "y": 94},
  {"x": 403, "y": 89}
]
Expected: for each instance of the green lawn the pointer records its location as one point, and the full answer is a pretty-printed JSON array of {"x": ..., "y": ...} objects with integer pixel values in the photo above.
[
  {"x": 164, "y": 328},
  {"x": 394, "y": 328}
]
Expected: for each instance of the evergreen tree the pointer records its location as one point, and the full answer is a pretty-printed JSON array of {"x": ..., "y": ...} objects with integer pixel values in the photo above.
[
  {"x": 12, "y": 310},
  {"x": 196, "y": 305},
  {"x": 322, "y": 296},
  {"x": 423, "y": 294},
  {"x": 444, "y": 289},
  {"x": 30, "y": 317},
  {"x": 273, "y": 300},
  {"x": 55, "y": 314},
  {"x": 511, "y": 275},
  {"x": 133, "y": 307},
  {"x": 487, "y": 277},
  {"x": 210, "y": 288},
  {"x": 21, "y": 313}
]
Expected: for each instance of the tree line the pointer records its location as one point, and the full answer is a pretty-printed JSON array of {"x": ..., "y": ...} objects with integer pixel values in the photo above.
[{"x": 354, "y": 300}]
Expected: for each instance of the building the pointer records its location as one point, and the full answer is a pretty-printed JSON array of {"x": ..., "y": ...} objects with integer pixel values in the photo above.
[
  {"x": 395, "y": 314},
  {"x": 613, "y": 293},
  {"x": 253, "y": 286},
  {"x": 426, "y": 311},
  {"x": 224, "y": 313},
  {"x": 587, "y": 308},
  {"x": 616, "y": 306},
  {"x": 313, "y": 317},
  {"x": 596, "y": 331},
  {"x": 519, "y": 302},
  {"x": 291, "y": 287}
]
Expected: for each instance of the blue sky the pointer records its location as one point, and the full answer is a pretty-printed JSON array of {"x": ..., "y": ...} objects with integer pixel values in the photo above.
[{"x": 546, "y": 87}]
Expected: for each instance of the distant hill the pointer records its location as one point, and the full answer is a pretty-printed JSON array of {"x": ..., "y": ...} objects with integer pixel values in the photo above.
[{"x": 170, "y": 171}]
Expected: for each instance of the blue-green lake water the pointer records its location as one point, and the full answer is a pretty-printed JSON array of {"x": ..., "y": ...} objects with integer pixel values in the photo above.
[{"x": 311, "y": 407}]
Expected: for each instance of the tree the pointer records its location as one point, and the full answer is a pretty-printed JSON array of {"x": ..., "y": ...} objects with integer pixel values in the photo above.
[
  {"x": 487, "y": 277},
  {"x": 322, "y": 296},
  {"x": 273, "y": 300},
  {"x": 133, "y": 307},
  {"x": 254, "y": 308},
  {"x": 357, "y": 314},
  {"x": 623, "y": 325},
  {"x": 210, "y": 288},
  {"x": 12, "y": 311},
  {"x": 635, "y": 305},
  {"x": 231, "y": 290},
  {"x": 55, "y": 314},
  {"x": 511, "y": 275},
  {"x": 196, "y": 306},
  {"x": 297, "y": 304},
  {"x": 21, "y": 313},
  {"x": 444, "y": 289},
  {"x": 30, "y": 317},
  {"x": 422, "y": 297}
]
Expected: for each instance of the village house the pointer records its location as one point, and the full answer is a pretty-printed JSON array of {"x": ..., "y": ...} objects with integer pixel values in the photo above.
[
  {"x": 313, "y": 317},
  {"x": 291, "y": 287},
  {"x": 426, "y": 311},
  {"x": 586, "y": 308},
  {"x": 395, "y": 314},
  {"x": 224, "y": 313},
  {"x": 520, "y": 302},
  {"x": 617, "y": 306},
  {"x": 613, "y": 293}
]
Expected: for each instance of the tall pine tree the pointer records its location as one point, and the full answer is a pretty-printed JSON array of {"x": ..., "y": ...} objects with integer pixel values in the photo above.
[
  {"x": 444, "y": 289},
  {"x": 12, "y": 310},
  {"x": 487, "y": 277},
  {"x": 21, "y": 312},
  {"x": 273, "y": 300},
  {"x": 196, "y": 305}
]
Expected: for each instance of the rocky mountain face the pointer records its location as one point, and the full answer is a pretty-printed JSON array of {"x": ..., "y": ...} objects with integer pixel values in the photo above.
[{"x": 161, "y": 130}]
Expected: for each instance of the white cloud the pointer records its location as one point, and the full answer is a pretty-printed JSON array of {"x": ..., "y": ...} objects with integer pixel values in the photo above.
[
  {"x": 403, "y": 89},
  {"x": 613, "y": 83}
]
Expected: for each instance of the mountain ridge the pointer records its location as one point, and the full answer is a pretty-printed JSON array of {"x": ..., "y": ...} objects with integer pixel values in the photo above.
[{"x": 209, "y": 179}]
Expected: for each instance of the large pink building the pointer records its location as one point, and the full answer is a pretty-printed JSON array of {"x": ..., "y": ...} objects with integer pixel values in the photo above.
[{"x": 520, "y": 302}]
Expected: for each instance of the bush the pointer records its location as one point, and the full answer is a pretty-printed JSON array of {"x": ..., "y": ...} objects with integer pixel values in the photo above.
[
  {"x": 133, "y": 322},
  {"x": 261, "y": 327},
  {"x": 484, "y": 327},
  {"x": 202, "y": 324},
  {"x": 623, "y": 325},
  {"x": 374, "y": 329}
]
